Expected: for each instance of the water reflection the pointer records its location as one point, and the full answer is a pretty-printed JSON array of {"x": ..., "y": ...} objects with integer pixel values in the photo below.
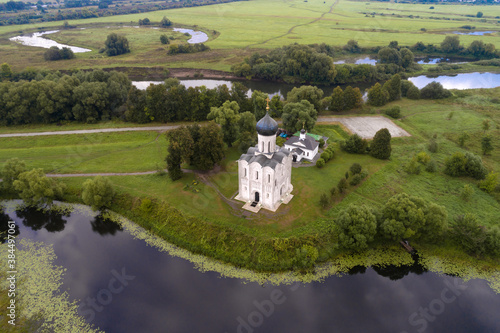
[
  {"x": 4, "y": 227},
  {"x": 104, "y": 226},
  {"x": 196, "y": 36},
  {"x": 50, "y": 220},
  {"x": 167, "y": 294},
  {"x": 37, "y": 40},
  {"x": 473, "y": 33},
  {"x": 460, "y": 81}
]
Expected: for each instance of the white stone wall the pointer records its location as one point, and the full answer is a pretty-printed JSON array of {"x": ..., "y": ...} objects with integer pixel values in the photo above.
[{"x": 267, "y": 144}]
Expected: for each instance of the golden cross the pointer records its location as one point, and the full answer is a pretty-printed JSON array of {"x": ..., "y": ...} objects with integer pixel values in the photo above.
[{"x": 267, "y": 100}]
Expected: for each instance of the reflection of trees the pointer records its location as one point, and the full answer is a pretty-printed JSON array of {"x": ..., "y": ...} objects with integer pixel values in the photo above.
[
  {"x": 105, "y": 226},
  {"x": 37, "y": 219},
  {"x": 394, "y": 272},
  {"x": 4, "y": 227},
  {"x": 357, "y": 270}
]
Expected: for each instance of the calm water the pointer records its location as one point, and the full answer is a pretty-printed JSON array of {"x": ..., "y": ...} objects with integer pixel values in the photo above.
[
  {"x": 358, "y": 61},
  {"x": 166, "y": 294},
  {"x": 196, "y": 36},
  {"x": 37, "y": 40},
  {"x": 473, "y": 33},
  {"x": 460, "y": 81}
]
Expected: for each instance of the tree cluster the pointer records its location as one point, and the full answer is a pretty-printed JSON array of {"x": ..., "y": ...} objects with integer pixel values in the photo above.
[
  {"x": 116, "y": 45},
  {"x": 82, "y": 96},
  {"x": 187, "y": 48},
  {"x": 54, "y": 53},
  {"x": 465, "y": 165},
  {"x": 344, "y": 100}
]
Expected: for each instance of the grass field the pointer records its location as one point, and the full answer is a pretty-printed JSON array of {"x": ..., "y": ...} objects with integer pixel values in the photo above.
[{"x": 247, "y": 26}]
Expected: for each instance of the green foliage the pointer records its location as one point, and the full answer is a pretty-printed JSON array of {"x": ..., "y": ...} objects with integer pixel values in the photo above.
[
  {"x": 490, "y": 183},
  {"x": 451, "y": 44},
  {"x": 187, "y": 48},
  {"x": 432, "y": 146},
  {"x": 164, "y": 39},
  {"x": 405, "y": 216},
  {"x": 11, "y": 171},
  {"x": 393, "y": 87},
  {"x": 357, "y": 227},
  {"x": 431, "y": 166},
  {"x": 413, "y": 93},
  {"x": 377, "y": 96},
  {"x": 320, "y": 162},
  {"x": 324, "y": 200},
  {"x": 208, "y": 148},
  {"x": 116, "y": 45},
  {"x": 434, "y": 90},
  {"x": 321, "y": 143},
  {"x": 486, "y": 145},
  {"x": 174, "y": 160},
  {"x": 54, "y": 53},
  {"x": 98, "y": 193},
  {"x": 259, "y": 103},
  {"x": 393, "y": 112},
  {"x": 5, "y": 71},
  {"x": 352, "y": 98},
  {"x": 462, "y": 138},
  {"x": 227, "y": 116},
  {"x": 309, "y": 93},
  {"x": 413, "y": 167},
  {"x": 467, "y": 164},
  {"x": 354, "y": 145},
  {"x": 381, "y": 145},
  {"x": 355, "y": 168},
  {"x": 423, "y": 157},
  {"x": 479, "y": 14},
  {"x": 342, "y": 185},
  {"x": 36, "y": 189},
  {"x": 468, "y": 234},
  {"x": 297, "y": 114},
  {"x": 467, "y": 192},
  {"x": 337, "y": 100},
  {"x": 307, "y": 256},
  {"x": 486, "y": 125},
  {"x": 355, "y": 180},
  {"x": 165, "y": 22}
]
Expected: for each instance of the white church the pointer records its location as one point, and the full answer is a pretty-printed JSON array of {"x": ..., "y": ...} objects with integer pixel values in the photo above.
[{"x": 265, "y": 171}]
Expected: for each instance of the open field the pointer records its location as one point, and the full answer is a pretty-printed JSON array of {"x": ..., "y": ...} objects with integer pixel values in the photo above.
[{"x": 243, "y": 27}]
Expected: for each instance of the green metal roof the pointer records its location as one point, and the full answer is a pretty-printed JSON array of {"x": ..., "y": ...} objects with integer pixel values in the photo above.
[{"x": 314, "y": 136}]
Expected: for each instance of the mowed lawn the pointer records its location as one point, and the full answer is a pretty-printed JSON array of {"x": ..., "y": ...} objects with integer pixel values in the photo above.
[
  {"x": 88, "y": 153},
  {"x": 247, "y": 26}
]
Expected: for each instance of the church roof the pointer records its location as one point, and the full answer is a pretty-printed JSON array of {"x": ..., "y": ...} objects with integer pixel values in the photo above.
[
  {"x": 263, "y": 160},
  {"x": 307, "y": 143},
  {"x": 267, "y": 126}
]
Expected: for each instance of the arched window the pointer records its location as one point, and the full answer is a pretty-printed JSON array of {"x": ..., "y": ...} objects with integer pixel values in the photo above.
[
  {"x": 275, "y": 182},
  {"x": 256, "y": 175},
  {"x": 245, "y": 172},
  {"x": 269, "y": 147},
  {"x": 268, "y": 178},
  {"x": 262, "y": 146}
]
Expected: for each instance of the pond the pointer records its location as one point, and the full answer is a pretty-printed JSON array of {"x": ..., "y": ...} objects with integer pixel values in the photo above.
[
  {"x": 358, "y": 61},
  {"x": 437, "y": 60},
  {"x": 460, "y": 81},
  {"x": 473, "y": 33},
  {"x": 37, "y": 40},
  {"x": 196, "y": 36},
  {"x": 163, "y": 293}
]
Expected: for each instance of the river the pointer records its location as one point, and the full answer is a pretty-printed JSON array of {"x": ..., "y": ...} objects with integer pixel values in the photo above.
[{"x": 167, "y": 294}]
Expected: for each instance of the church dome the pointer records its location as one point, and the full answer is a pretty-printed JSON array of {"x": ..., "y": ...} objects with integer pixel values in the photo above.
[{"x": 267, "y": 126}]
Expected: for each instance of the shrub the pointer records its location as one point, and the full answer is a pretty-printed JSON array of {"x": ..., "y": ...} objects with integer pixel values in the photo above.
[
  {"x": 468, "y": 234},
  {"x": 164, "y": 39},
  {"x": 116, "y": 45},
  {"x": 342, "y": 185},
  {"x": 321, "y": 143},
  {"x": 325, "y": 156},
  {"x": 486, "y": 145},
  {"x": 381, "y": 145},
  {"x": 394, "y": 112},
  {"x": 413, "y": 168},
  {"x": 432, "y": 146},
  {"x": 354, "y": 145},
  {"x": 423, "y": 157},
  {"x": 54, "y": 53},
  {"x": 97, "y": 193},
  {"x": 324, "y": 201},
  {"x": 490, "y": 183},
  {"x": 413, "y": 93},
  {"x": 467, "y": 192},
  {"x": 11, "y": 171},
  {"x": 320, "y": 163},
  {"x": 355, "y": 168},
  {"x": 467, "y": 164},
  {"x": 434, "y": 90},
  {"x": 333, "y": 191},
  {"x": 355, "y": 180},
  {"x": 431, "y": 166},
  {"x": 357, "y": 227},
  {"x": 462, "y": 138},
  {"x": 364, "y": 174}
]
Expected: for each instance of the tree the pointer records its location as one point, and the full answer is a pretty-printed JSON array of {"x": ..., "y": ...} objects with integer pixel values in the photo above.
[
  {"x": 320, "y": 163},
  {"x": 181, "y": 136},
  {"x": 393, "y": 87},
  {"x": 451, "y": 44},
  {"x": 36, "y": 189},
  {"x": 462, "y": 138},
  {"x": 164, "y": 39},
  {"x": 165, "y": 22},
  {"x": 413, "y": 93},
  {"x": 324, "y": 201},
  {"x": 389, "y": 55},
  {"x": 377, "y": 96},
  {"x": 145, "y": 21},
  {"x": 486, "y": 144},
  {"x": 407, "y": 58},
  {"x": 54, "y": 53},
  {"x": 467, "y": 164},
  {"x": 434, "y": 90},
  {"x": 352, "y": 98},
  {"x": 11, "y": 171},
  {"x": 337, "y": 100},
  {"x": 276, "y": 106},
  {"x": 357, "y": 227},
  {"x": 479, "y": 14},
  {"x": 404, "y": 216},
  {"x": 356, "y": 168},
  {"x": 5, "y": 72},
  {"x": 259, "y": 103},
  {"x": 468, "y": 234},
  {"x": 174, "y": 160},
  {"x": 208, "y": 148},
  {"x": 354, "y": 145},
  {"x": 352, "y": 46},
  {"x": 297, "y": 115},
  {"x": 381, "y": 145},
  {"x": 309, "y": 93},
  {"x": 98, "y": 193},
  {"x": 490, "y": 183},
  {"x": 227, "y": 117},
  {"x": 116, "y": 45},
  {"x": 342, "y": 185}
]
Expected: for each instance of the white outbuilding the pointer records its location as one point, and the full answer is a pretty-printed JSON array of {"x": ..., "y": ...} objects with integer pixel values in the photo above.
[{"x": 302, "y": 147}]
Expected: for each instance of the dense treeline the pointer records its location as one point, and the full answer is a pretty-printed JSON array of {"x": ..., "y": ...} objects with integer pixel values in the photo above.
[
  {"x": 85, "y": 97},
  {"x": 102, "y": 10},
  {"x": 11, "y": 6},
  {"x": 187, "y": 48},
  {"x": 54, "y": 53}
]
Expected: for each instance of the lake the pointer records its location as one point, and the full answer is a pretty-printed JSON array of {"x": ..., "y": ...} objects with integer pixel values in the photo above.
[
  {"x": 460, "y": 81},
  {"x": 168, "y": 294},
  {"x": 37, "y": 40}
]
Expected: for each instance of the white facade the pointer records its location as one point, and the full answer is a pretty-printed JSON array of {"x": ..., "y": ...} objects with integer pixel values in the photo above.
[
  {"x": 302, "y": 147},
  {"x": 264, "y": 174}
]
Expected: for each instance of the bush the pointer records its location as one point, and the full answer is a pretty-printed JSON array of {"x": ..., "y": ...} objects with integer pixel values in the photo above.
[
  {"x": 467, "y": 192},
  {"x": 324, "y": 201},
  {"x": 333, "y": 191},
  {"x": 423, "y": 157},
  {"x": 116, "y": 45},
  {"x": 357, "y": 227},
  {"x": 394, "y": 112},
  {"x": 189, "y": 48},
  {"x": 490, "y": 183},
  {"x": 98, "y": 193},
  {"x": 467, "y": 164},
  {"x": 54, "y": 53},
  {"x": 413, "y": 93},
  {"x": 321, "y": 143},
  {"x": 381, "y": 145},
  {"x": 164, "y": 39},
  {"x": 355, "y": 180},
  {"x": 325, "y": 156},
  {"x": 342, "y": 185},
  {"x": 355, "y": 168},
  {"x": 320, "y": 163},
  {"x": 354, "y": 145},
  {"x": 431, "y": 166},
  {"x": 432, "y": 146},
  {"x": 413, "y": 168},
  {"x": 434, "y": 90}
]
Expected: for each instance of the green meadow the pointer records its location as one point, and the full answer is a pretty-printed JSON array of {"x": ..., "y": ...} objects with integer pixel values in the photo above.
[{"x": 238, "y": 29}]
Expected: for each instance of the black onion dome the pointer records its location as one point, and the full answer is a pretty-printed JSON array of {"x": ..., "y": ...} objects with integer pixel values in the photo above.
[{"x": 267, "y": 126}]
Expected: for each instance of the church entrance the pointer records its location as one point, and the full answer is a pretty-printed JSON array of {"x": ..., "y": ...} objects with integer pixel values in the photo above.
[
  {"x": 257, "y": 197},
  {"x": 295, "y": 158}
]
